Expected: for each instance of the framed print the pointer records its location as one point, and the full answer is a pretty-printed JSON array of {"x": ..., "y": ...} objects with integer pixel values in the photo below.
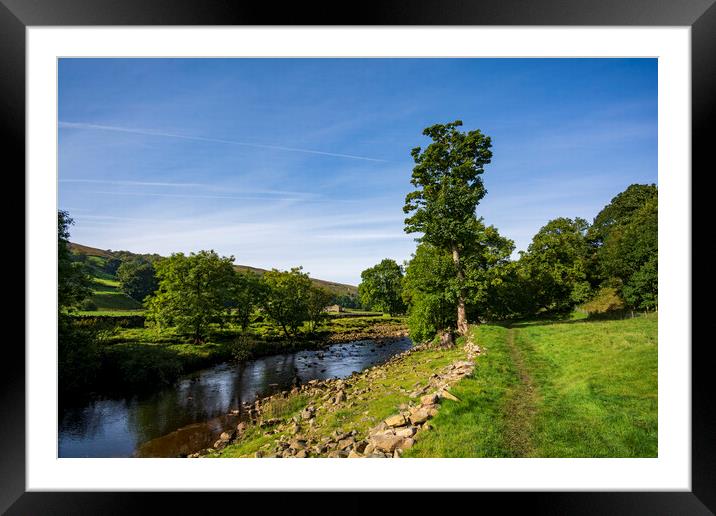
[{"x": 425, "y": 237}]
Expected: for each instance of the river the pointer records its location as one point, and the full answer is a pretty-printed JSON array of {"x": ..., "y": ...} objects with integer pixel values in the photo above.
[{"x": 190, "y": 415}]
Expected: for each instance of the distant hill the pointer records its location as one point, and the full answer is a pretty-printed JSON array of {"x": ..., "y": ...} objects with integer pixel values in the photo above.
[{"x": 336, "y": 288}]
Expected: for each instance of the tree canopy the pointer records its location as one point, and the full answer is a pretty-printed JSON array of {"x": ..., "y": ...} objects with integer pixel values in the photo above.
[
  {"x": 380, "y": 288},
  {"x": 284, "y": 299},
  {"x": 137, "y": 278},
  {"x": 193, "y": 292}
]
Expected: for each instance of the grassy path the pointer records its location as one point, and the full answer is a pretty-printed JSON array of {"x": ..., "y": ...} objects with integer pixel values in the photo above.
[
  {"x": 520, "y": 407},
  {"x": 554, "y": 389}
]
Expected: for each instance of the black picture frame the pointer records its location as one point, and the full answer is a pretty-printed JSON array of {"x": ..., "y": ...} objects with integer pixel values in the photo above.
[{"x": 700, "y": 15}]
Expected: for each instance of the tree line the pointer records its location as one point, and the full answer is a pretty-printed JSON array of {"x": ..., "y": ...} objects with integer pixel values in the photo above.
[
  {"x": 461, "y": 270},
  {"x": 189, "y": 293}
]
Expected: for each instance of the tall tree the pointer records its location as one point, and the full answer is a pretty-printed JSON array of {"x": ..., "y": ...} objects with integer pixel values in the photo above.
[
  {"x": 193, "y": 292},
  {"x": 381, "y": 287},
  {"x": 448, "y": 189}
]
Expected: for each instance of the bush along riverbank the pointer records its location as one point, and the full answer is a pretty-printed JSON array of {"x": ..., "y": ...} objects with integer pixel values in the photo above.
[
  {"x": 379, "y": 412},
  {"x": 142, "y": 359}
]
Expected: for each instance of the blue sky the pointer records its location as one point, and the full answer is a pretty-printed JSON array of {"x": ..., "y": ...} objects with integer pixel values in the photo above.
[{"x": 286, "y": 162}]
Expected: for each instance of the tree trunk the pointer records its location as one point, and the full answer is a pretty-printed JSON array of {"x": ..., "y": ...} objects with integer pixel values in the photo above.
[{"x": 461, "y": 316}]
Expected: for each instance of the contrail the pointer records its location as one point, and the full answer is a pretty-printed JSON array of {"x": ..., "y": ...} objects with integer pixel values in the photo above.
[
  {"x": 149, "y": 132},
  {"x": 186, "y": 185},
  {"x": 200, "y": 196},
  {"x": 131, "y": 183}
]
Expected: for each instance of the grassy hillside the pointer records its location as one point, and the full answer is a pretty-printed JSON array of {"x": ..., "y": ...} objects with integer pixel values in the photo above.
[
  {"x": 97, "y": 258},
  {"x": 107, "y": 296}
]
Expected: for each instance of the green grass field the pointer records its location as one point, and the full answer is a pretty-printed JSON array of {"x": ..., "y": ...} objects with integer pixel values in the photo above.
[
  {"x": 107, "y": 296},
  {"x": 563, "y": 389}
]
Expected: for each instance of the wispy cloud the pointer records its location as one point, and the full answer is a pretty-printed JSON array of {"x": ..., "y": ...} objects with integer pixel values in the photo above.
[
  {"x": 198, "y": 196},
  {"x": 151, "y": 132},
  {"x": 133, "y": 183}
]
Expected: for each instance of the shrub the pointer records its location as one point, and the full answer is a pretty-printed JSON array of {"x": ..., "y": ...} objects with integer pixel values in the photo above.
[{"x": 606, "y": 300}]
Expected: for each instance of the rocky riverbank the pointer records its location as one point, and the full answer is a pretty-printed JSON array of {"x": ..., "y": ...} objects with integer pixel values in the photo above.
[{"x": 369, "y": 414}]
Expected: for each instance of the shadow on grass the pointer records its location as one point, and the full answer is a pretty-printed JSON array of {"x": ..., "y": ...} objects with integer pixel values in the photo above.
[{"x": 568, "y": 319}]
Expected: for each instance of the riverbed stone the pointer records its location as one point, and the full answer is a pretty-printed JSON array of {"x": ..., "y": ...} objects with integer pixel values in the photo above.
[
  {"x": 408, "y": 431},
  {"x": 386, "y": 442},
  {"x": 419, "y": 416},
  {"x": 430, "y": 399},
  {"x": 396, "y": 420},
  {"x": 344, "y": 444}
]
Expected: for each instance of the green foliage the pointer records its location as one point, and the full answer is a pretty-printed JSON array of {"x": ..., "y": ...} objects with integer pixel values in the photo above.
[
  {"x": 137, "y": 278},
  {"x": 285, "y": 298},
  {"x": 448, "y": 184},
  {"x": 432, "y": 289},
  {"x": 79, "y": 353},
  {"x": 87, "y": 305},
  {"x": 245, "y": 294},
  {"x": 426, "y": 289},
  {"x": 619, "y": 211},
  {"x": 347, "y": 301},
  {"x": 381, "y": 287},
  {"x": 606, "y": 300},
  {"x": 111, "y": 265},
  {"x": 73, "y": 285},
  {"x": 626, "y": 245},
  {"x": 556, "y": 262},
  {"x": 316, "y": 302},
  {"x": 641, "y": 290},
  {"x": 193, "y": 292}
]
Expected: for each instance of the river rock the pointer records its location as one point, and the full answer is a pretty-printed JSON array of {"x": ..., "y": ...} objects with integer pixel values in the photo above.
[
  {"x": 385, "y": 442},
  {"x": 344, "y": 444},
  {"x": 396, "y": 420},
  {"x": 297, "y": 444},
  {"x": 430, "y": 399},
  {"x": 408, "y": 431},
  {"x": 406, "y": 443},
  {"x": 419, "y": 416},
  {"x": 340, "y": 397}
]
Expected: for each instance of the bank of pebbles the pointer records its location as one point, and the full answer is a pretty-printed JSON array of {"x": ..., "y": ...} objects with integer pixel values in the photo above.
[{"x": 396, "y": 433}]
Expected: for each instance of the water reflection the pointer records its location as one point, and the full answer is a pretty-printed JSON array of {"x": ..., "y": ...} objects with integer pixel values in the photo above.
[{"x": 191, "y": 414}]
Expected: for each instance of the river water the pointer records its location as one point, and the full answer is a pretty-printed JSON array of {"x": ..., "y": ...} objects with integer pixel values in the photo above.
[{"x": 190, "y": 415}]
